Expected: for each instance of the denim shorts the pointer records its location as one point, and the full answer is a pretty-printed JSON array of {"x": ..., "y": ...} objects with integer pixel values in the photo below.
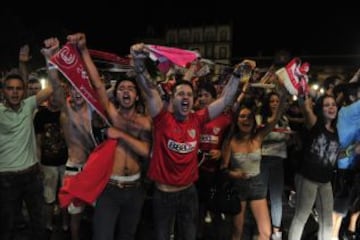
[{"x": 250, "y": 189}]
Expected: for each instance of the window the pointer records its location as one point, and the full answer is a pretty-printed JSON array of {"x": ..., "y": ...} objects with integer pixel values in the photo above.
[
  {"x": 223, "y": 35},
  {"x": 223, "y": 52}
]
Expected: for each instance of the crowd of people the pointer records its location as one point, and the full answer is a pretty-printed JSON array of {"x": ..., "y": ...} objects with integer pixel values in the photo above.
[{"x": 175, "y": 135}]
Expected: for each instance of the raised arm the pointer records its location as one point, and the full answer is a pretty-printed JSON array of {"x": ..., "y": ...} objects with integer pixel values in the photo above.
[
  {"x": 79, "y": 39},
  {"x": 149, "y": 89},
  {"x": 24, "y": 58},
  {"x": 241, "y": 96},
  {"x": 51, "y": 47},
  {"x": 307, "y": 109},
  {"x": 229, "y": 92}
]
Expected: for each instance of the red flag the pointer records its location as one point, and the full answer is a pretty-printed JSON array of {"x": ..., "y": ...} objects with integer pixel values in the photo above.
[
  {"x": 71, "y": 65},
  {"x": 294, "y": 77},
  {"x": 89, "y": 183}
]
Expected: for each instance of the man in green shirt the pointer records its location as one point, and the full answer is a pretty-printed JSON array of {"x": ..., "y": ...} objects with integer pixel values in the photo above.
[{"x": 20, "y": 178}]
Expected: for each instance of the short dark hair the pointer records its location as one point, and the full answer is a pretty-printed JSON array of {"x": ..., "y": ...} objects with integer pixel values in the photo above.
[
  {"x": 209, "y": 87},
  {"x": 182, "y": 82},
  {"x": 138, "y": 91},
  {"x": 33, "y": 80},
  {"x": 13, "y": 76}
]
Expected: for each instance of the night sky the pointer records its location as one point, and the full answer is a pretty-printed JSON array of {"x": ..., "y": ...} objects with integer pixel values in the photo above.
[{"x": 258, "y": 28}]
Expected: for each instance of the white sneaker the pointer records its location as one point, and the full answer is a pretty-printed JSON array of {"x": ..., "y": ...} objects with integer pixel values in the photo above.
[
  {"x": 292, "y": 199},
  {"x": 276, "y": 236},
  {"x": 315, "y": 214},
  {"x": 208, "y": 218}
]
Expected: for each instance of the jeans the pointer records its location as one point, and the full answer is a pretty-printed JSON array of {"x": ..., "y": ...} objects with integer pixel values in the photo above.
[
  {"x": 118, "y": 212},
  {"x": 16, "y": 188},
  {"x": 307, "y": 193},
  {"x": 179, "y": 208},
  {"x": 272, "y": 174},
  {"x": 250, "y": 189}
]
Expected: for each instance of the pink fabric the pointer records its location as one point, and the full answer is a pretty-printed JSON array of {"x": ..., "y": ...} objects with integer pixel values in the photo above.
[
  {"x": 88, "y": 184},
  {"x": 169, "y": 55},
  {"x": 71, "y": 65}
]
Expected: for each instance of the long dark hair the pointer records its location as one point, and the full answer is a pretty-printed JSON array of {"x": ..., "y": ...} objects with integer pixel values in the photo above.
[
  {"x": 234, "y": 130},
  {"x": 318, "y": 110},
  {"x": 266, "y": 111}
]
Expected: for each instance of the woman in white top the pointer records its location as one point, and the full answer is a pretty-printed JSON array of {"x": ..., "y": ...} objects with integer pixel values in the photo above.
[{"x": 241, "y": 160}]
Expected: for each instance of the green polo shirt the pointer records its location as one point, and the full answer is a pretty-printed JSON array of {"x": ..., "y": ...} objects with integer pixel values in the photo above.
[{"x": 17, "y": 137}]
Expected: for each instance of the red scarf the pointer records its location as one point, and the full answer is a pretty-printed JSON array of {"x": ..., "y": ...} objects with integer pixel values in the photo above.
[{"x": 71, "y": 65}]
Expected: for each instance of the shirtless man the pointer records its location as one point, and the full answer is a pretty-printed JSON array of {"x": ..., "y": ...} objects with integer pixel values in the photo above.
[
  {"x": 118, "y": 208},
  {"x": 76, "y": 122}
]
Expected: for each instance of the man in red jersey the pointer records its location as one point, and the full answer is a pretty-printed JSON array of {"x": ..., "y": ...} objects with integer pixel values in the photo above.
[{"x": 173, "y": 166}]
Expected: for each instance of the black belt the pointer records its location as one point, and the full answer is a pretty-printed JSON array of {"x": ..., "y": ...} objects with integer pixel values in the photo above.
[
  {"x": 73, "y": 169},
  {"x": 132, "y": 184},
  {"x": 33, "y": 168}
]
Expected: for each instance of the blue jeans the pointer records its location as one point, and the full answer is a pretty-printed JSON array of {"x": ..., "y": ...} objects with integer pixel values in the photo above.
[
  {"x": 272, "y": 174},
  {"x": 14, "y": 189},
  {"x": 118, "y": 210},
  {"x": 179, "y": 208}
]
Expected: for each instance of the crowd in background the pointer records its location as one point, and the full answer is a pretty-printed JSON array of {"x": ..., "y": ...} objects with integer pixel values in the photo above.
[{"x": 175, "y": 133}]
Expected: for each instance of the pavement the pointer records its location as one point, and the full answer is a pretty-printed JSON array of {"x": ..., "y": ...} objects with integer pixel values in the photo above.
[{"x": 145, "y": 227}]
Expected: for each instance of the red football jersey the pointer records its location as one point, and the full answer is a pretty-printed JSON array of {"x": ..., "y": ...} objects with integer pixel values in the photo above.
[{"x": 175, "y": 147}]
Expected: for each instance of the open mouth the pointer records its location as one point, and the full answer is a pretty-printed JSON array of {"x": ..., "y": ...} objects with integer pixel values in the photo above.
[
  {"x": 126, "y": 99},
  {"x": 185, "y": 105}
]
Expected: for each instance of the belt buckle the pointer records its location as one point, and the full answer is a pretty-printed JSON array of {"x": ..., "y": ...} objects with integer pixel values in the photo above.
[
  {"x": 128, "y": 184},
  {"x": 120, "y": 184}
]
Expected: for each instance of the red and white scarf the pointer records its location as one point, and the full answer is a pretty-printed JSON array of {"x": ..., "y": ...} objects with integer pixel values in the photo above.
[{"x": 71, "y": 65}]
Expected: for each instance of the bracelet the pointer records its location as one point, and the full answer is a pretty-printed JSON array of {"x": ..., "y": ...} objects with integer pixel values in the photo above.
[{"x": 244, "y": 92}]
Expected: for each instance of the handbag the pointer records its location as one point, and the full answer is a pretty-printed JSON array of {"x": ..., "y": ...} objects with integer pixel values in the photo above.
[{"x": 224, "y": 198}]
